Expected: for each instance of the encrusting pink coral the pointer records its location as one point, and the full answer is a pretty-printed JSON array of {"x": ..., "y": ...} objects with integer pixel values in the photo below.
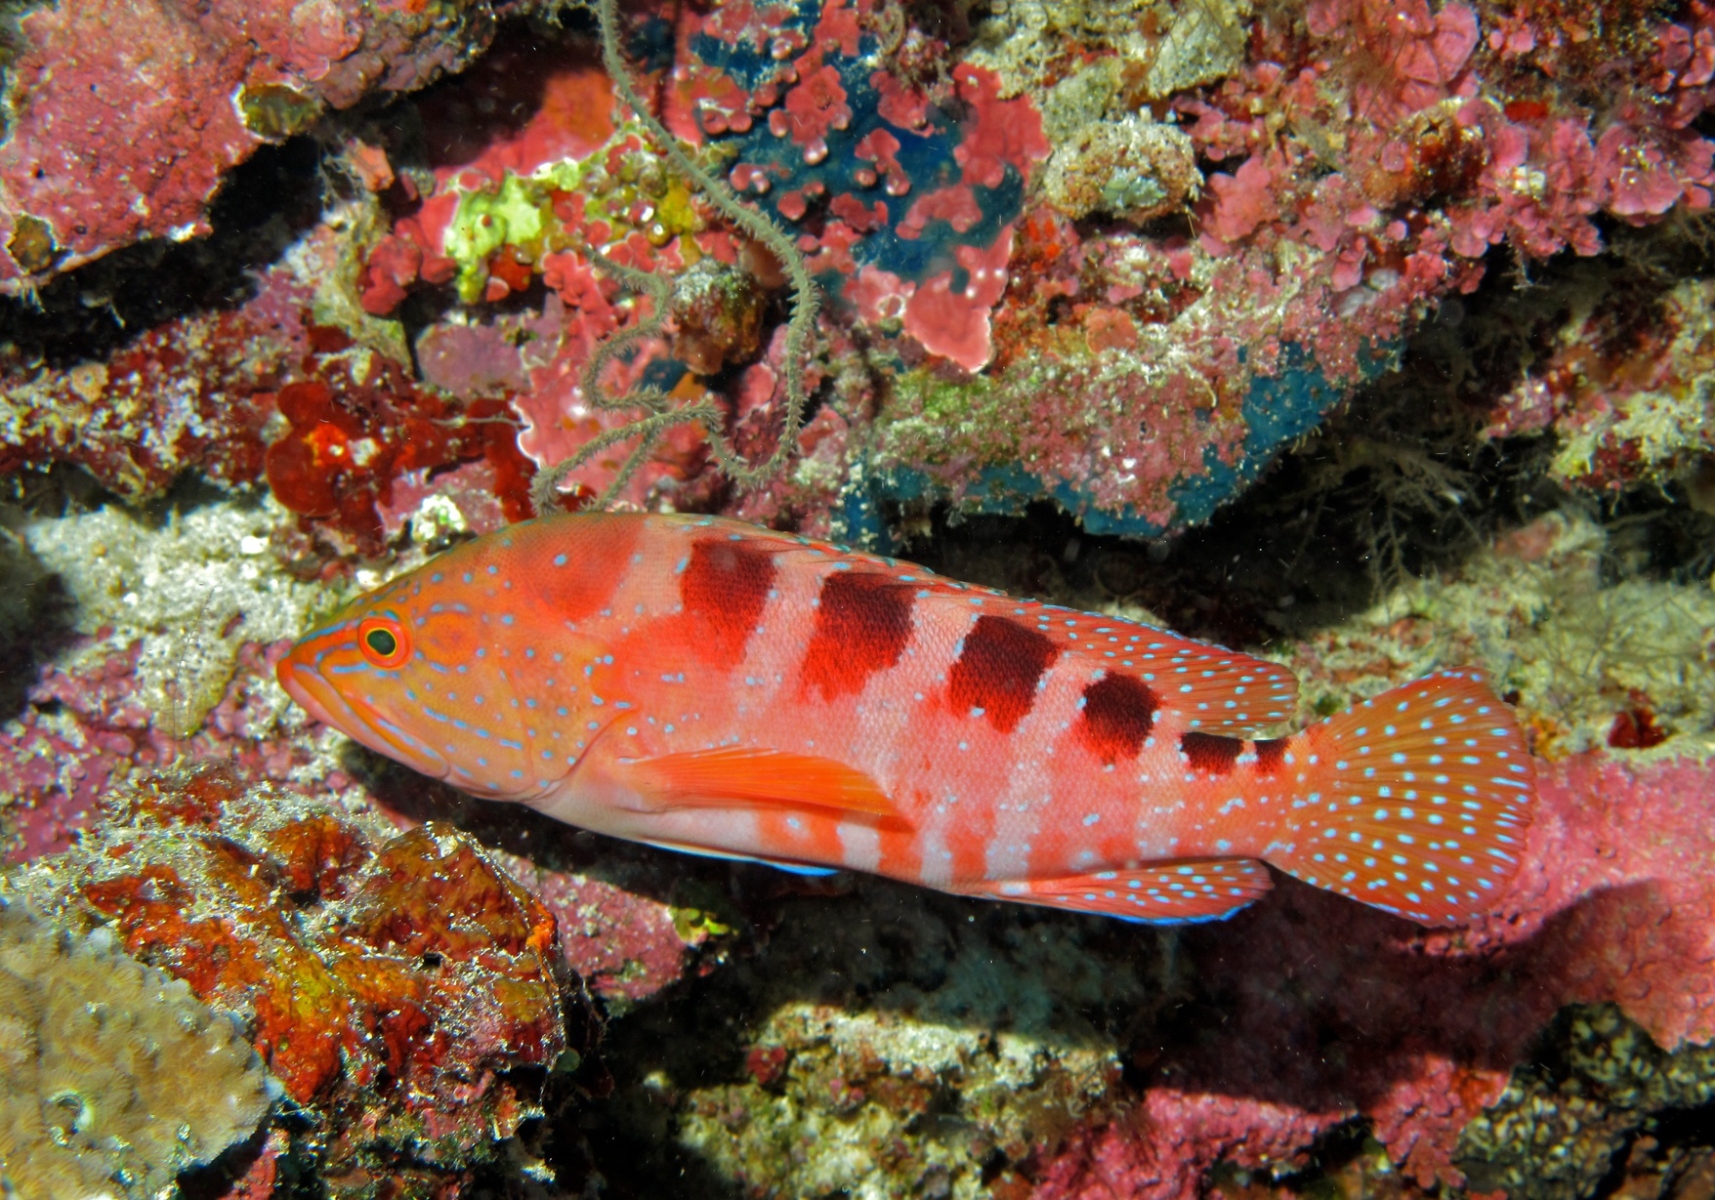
[
  {"x": 123, "y": 118},
  {"x": 1420, "y": 1031}
]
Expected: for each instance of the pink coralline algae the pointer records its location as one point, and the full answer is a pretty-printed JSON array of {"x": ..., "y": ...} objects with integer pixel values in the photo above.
[
  {"x": 1400, "y": 58},
  {"x": 626, "y": 945},
  {"x": 1344, "y": 173},
  {"x": 85, "y": 727},
  {"x": 1419, "y": 1031},
  {"x": 123, "y": 119}
]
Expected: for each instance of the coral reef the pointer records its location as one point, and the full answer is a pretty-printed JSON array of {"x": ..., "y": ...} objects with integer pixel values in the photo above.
[
  {"x": 632, "y": 922},
  {"x": 123, "y": 121},
  {"x": 1564, "y": 1125},
  {"x": 402, "y": 989},
  {"x": 1115, "y": 254},
  {"x": 113, "y": 1078},
  {"x": 178, "y": 396},
  {"x": 1069, "y": 259},
  {"x": 264, "y": 391},
  {"x": 1063, "y": 255}
]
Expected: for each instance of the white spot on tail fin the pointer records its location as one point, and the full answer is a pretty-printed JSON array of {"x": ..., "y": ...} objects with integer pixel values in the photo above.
[{"x": 1452, "y": 823}]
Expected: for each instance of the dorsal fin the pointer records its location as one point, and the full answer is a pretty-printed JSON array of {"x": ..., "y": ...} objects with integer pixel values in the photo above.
[
  {"x": 1218, "y": 691},
  {"x": 1215, "y": 690}
]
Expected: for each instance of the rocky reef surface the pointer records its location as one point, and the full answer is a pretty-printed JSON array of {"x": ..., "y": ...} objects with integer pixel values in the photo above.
[{"x": 1370, "y": 337}]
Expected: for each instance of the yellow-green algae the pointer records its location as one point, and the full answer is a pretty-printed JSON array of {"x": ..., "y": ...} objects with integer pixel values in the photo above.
[{"x": 519, "y": 212}]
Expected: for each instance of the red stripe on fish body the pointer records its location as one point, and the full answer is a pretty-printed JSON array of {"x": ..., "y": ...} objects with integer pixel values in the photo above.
[{"x": 703, "y": 684}]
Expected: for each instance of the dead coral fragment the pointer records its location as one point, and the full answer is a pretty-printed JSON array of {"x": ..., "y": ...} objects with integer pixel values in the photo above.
[
  {"x": 1134, "y": 169},
  {"x": 400, "y": 976},
  {"x": 113, "y": 1078},
  {"x": 1206, "y": 44}
]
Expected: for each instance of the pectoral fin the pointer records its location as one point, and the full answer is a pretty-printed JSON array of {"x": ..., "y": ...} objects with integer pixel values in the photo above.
[{"x": 747, "y": 776}]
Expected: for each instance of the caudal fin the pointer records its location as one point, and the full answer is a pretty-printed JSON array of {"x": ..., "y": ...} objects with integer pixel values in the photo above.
[{"x": 1415, "y": 801}]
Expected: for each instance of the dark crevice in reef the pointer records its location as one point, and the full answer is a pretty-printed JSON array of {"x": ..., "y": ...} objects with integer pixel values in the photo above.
[
  {"x": 35, "y": 621},
  {"x": 86, "y": 314}
]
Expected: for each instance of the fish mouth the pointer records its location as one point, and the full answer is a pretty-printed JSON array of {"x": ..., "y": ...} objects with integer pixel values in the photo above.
[{"x": 358, "y": 721}]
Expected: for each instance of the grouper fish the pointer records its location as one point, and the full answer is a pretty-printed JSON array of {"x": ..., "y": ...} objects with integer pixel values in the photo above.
[{"x": 703, "y": 685}]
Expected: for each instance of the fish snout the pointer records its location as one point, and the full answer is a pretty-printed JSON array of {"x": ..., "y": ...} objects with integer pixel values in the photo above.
[{"x": 352, "y": 715}]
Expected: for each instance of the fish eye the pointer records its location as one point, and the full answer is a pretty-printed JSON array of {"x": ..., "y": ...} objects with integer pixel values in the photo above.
[{"x": 383, "y": 641}]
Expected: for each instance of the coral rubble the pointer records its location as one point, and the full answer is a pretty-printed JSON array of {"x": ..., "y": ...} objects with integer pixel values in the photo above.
[
  {"x": 898, "y": 1042},
  {"x": 405, "y": 992},
  {"x": 113, "y": 1077},
  {"x": 1563, "y": 1125}
]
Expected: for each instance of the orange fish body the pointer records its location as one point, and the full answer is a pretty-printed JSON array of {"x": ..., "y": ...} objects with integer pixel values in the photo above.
[{"x": 704, "y": 685}]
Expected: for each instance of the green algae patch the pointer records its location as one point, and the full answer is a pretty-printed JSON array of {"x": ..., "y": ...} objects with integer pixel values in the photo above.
[
  {"x": 486, "y": 221},
  {"x": 931, "y": 421},
  {"x": 519, "y": 213},
  {"x": 695, "y": 926}
]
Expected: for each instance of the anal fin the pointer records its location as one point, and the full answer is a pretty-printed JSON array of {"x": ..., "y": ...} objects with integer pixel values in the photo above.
[
  {"x": 1162, "y": 893},
  {"x": 757, "y": 777}
]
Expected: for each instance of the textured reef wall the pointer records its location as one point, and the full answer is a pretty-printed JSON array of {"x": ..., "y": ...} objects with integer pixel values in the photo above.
[
  {"x": 1118, "y": 257},
  {"x": 123, "y": 120},
  {"x": 356, "y": 273}
]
